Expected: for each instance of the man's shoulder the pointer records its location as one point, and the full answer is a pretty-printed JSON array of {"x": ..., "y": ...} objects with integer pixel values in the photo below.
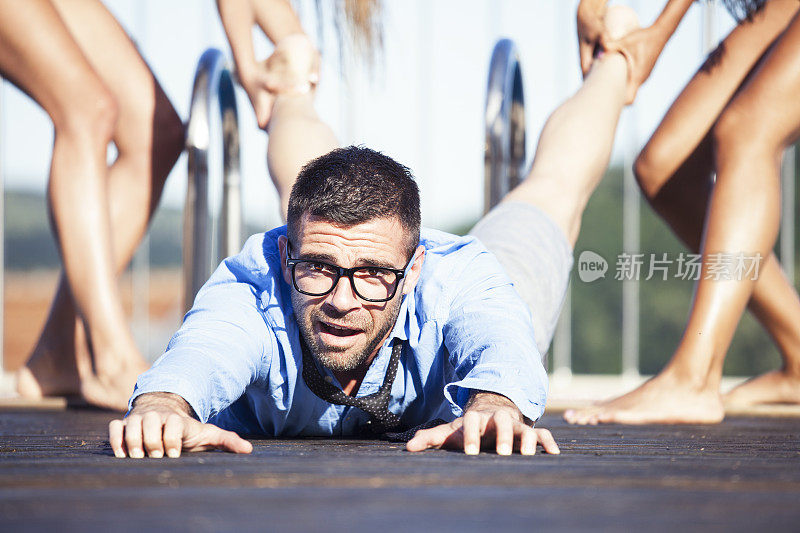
[
  {"x": 259, "y": 253},
  {"x": 459, "y": 261},
  {"x": 443, "y": 243},
  {"x": 453, "y": 260},
  {"x": 449, "y": 253},
  {"x": 257, "y": 264}
]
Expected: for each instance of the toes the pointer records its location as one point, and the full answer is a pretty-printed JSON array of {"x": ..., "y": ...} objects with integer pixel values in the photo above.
[{"x": 582, "y": 417}]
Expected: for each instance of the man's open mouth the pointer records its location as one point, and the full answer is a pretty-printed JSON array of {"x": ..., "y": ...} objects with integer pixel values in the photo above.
[{"x": 339, "y": 331}]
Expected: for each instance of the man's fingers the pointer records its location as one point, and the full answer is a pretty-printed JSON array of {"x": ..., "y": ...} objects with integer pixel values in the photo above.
[
  {"x": 198, "y": 437},
  {"x": 153, "y": 434},
  {"x": 547, "y": 440},
  {"x": 473, "y": 430},
  {"x": 527, "y": 440},
  {"x": 173, "y": 435},
  {"x": 434, "y": 437},
  {"x": 116, "y": 430},
  {"x": 504, "y": 432},
  {"x": 133, "y": 436},
  {"x": 231, "y": 442}
]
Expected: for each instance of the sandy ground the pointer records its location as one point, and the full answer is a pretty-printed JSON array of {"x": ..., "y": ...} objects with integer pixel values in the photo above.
[{"x": 27, "y": 301}]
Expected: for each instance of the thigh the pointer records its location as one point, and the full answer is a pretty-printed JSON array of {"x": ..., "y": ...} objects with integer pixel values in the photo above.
[
  {"x": 769, "y": 103},
  {"x": 39, "y": 55},
  {"x": 115, "y": 58},
  {"x": 697, "y": 108}
]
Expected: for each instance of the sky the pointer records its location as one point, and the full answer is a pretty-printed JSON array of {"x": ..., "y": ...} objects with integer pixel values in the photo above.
[{"x": 423, "y": 104}]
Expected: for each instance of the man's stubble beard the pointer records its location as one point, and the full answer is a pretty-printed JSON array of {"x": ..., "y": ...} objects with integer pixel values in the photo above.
[{"x": 325, "y": 356}]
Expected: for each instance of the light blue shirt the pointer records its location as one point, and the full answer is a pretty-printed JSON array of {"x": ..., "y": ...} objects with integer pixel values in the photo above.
[{"x": 237, "y": 359}]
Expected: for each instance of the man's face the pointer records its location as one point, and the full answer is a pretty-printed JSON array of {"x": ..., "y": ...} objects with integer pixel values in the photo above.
[{"x": 342, "y": 330}]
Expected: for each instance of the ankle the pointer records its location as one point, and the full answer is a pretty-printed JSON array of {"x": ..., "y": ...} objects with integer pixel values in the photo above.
[
  {"x": 791, "y": 369},
  {"x": 696, "y": 379}
]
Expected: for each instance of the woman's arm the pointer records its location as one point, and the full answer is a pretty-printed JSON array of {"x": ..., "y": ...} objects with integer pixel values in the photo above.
[
  {"x": 590, "y": 30},
  {"x": 641, "y": 47},
  {"x": 293, "y": 66}
]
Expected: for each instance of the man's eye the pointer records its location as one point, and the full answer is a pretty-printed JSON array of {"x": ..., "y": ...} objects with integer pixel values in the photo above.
[
  {"x": 318, "y": 267},
  {"x": 377, "y": 272}
]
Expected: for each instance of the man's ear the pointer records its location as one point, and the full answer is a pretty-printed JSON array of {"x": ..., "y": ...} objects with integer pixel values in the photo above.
[
  {"x": 414, "y": 272},
  {"x": 283, "y": 250}
]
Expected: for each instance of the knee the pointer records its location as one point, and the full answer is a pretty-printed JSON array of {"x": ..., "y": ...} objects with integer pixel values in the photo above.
[
  {"x": 729, "y": 130},
  {"x": 89, "y": 119},
  {"x": 741, "y": 131},
  {"x": 649, "y": 169},
  {"x": 154, "y": 132}
]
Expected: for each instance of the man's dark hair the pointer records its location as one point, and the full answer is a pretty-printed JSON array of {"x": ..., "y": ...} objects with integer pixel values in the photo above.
[{"x": 351, "y": 185}]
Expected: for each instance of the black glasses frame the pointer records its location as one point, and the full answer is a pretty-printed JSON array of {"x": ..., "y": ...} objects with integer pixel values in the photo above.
[{"x": 341, "y": 271}]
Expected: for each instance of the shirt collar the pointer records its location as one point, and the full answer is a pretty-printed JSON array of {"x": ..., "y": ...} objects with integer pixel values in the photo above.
[{"x": 400, "y": 329}]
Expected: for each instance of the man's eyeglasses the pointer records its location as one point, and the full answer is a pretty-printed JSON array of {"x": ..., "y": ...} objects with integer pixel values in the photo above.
[{"x": 317, "y": 278}]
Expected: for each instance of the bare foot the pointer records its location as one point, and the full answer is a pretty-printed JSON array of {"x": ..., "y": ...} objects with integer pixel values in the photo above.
[
  {"x": 52, "y": 369},
  {"x": 112, "y": 391},
  {"x": 108, "y": 381},
  {"x": 620, "y": 21},
  {"x": 65, "y": 368},
  {"x": 293, "y": 68},
  {"x": 778, "y": 386},
  {"x": 661, "y": 400}
]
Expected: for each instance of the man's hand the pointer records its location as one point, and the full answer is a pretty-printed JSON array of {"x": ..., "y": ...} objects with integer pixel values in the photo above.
[
  {"x": 489, "y": 419},
  {"x": 162, "y": 423}
]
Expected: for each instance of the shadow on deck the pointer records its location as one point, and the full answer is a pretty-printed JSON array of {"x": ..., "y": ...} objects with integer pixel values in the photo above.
[{"x": 57, "y": 472}]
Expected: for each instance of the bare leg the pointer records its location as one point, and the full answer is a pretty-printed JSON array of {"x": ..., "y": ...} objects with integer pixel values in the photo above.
[
  {"x": 296, "y": 136},
  {"x": 575, "y": 144},
  {"x": 742, "y": 217},
  {"x": 679, "y": 186},
  {"x": 149, "y": 138},
  {"x": 55, "y": 73},
  {"x": 533, "y": 230},
  {"x": 296, "y": 133}
]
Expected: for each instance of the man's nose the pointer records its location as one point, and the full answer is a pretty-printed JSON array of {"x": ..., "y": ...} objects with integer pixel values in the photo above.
[{"x": 343, "y": 297}]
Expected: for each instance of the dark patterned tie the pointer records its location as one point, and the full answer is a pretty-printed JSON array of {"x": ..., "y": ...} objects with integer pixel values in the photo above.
[{"x": 376, "y": 405}]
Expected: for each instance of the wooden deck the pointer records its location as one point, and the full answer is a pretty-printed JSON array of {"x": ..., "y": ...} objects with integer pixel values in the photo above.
[{"x": 57, "y": 473}]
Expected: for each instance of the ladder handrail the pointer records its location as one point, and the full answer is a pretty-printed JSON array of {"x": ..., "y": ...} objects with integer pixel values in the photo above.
[
  {"x": 504, "y": 163},
  {"x": 213, "y": 81}
]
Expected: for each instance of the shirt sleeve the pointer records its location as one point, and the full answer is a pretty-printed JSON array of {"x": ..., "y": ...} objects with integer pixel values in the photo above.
[
  {"x": 490, "y": 339},
  {"x": 220, "y": 349}
]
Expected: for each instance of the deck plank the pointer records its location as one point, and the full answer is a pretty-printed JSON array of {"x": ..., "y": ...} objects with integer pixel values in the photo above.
[{"x": 57, "y": 471}]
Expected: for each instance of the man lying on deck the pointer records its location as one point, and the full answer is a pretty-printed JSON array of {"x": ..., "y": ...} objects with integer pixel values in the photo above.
[{"x": 351, "y": 321}]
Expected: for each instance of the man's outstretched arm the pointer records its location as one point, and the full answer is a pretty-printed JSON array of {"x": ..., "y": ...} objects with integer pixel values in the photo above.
[
  {"x": 164, "y": 423},
  {"x": 489, "y": 419}
]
